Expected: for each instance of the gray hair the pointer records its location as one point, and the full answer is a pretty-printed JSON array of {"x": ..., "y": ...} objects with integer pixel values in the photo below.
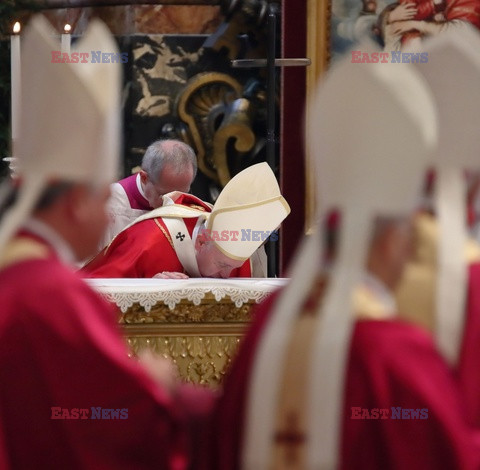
[
  {"x": 171, "y": 152},
  {"x": 52, "y": 193}
]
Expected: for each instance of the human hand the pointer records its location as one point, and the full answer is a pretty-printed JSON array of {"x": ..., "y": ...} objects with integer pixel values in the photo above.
[
  {"x": 170, "y": 275},
  {"x": 404, "y": 11}
]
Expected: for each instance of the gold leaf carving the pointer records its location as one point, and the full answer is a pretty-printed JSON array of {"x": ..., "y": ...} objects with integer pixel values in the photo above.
[
  {"x": 200, "y": 339},
  {"x": 200, "y": 360},
  {"x": 185, "y": 312}
]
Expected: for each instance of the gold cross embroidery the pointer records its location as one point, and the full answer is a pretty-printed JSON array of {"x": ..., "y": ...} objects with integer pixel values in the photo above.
[{"x": 291, "y": 439}]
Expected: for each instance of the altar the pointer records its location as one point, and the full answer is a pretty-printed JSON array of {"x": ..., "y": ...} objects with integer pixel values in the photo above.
[{"x": 198, "y": 323}]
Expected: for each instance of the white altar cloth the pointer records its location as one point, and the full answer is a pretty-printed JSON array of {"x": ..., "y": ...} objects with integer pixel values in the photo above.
[{"x": 149, "y": 292}]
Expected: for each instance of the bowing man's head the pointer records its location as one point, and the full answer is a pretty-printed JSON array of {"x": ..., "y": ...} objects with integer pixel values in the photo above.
[
  {"x": 212, "y": 262},
  {"x": 168, "y": 165},
  {"x": 248, "y": 210},
  {"x": 77, "y": 212}
]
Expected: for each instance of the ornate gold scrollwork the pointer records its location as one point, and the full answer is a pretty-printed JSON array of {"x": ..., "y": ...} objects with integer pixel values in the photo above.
[
  {"x": 209, "y": 311},
  {"x": 200, "y": 360},
  {"x": 236, "y": 127},
  {"x": 202, "y": 106},
  {"x": 216, "y": 114},
  {"x": 200, "y": 339}
]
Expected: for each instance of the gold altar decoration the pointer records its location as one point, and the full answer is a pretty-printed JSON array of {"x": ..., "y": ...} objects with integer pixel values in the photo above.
[
  {"x": 201, "y": 340},
  {"x": 212, "y": 107},
  {"x": 197, "y": 323}
]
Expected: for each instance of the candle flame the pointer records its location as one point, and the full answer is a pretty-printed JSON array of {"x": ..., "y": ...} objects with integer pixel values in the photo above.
[
  {"x": 67, "y": 28},
  {"x": 16, "y": 27}
]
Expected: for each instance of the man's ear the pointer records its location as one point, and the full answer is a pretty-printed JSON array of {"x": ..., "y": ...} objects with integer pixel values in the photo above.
[
  {"x": 202, "y": 237},
  {"x": 143, "y": 176}
]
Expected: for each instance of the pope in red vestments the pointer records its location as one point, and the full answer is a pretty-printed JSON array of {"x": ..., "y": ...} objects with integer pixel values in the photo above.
[
  {"x": 146, "y": 249},
  {"x": 191, "y": 238}
]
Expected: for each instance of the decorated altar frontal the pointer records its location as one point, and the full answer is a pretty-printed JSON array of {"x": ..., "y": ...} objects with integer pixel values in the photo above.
[{"x": 198, "y": 323}]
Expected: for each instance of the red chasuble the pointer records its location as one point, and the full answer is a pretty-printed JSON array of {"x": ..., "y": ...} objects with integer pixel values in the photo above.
[
  {"x": 146, "y": 248},
  {"x": 469, "y": 370},
  {"x": 70, "y": 397},
  {"x": 393, "y": 366}
]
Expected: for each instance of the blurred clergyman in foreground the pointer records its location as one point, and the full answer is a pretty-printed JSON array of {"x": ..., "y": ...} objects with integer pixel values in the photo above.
[
  {"x": 70, "y": 397},
  {"x": 190, "y": 239},
  {"x": 328, "y": 377},
  {"x": 441, "y": 285}
]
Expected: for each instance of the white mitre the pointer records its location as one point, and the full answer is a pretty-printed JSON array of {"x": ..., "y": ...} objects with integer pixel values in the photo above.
[
  {"x": 453, "y": 74},
  {"x": 69, "y": 117},
  {"x": 251, "y": 205},
  {"x": 371, "y": 132}
]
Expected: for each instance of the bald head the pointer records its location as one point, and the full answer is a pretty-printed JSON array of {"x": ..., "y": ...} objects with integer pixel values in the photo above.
[{"x": 174, "y": 153}]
